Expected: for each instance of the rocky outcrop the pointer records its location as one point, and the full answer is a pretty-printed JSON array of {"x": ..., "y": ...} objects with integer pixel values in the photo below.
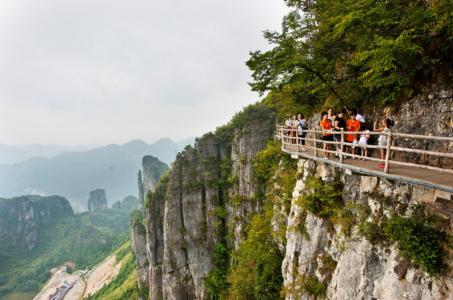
[
  {"x": 360, "y": 269},
  {"x": 21, "y": 217},
  {"x": 141, "y": 191},
  {"x": 188, "y": 214},
  {"x": 246, "y": 144},
  {"x": 430, "y": 113},
  {"x": 138, "y": 234},
  {"x": 97, "y": 200},
  {"x": 210, "y": 195},
  {"x": 153, "y": 168},
  {"x": 155, "y": 237}
]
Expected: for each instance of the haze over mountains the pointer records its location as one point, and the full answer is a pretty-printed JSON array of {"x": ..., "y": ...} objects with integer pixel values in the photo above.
[
  {"x": 10, "y": 154},
  {"x": 73, "y": 174}
]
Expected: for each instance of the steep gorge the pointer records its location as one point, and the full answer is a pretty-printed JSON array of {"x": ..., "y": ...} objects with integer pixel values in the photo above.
[{"x": 231, "y": 193}]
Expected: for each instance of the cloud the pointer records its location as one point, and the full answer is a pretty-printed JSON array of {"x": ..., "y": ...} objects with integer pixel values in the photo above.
[{"x": 99, "y": 71}]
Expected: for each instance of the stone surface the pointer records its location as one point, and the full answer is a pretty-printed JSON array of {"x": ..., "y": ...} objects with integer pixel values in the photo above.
[
  {"x": 21, "y": 217},
  {"x": 138, "y": 234},
  {"x": 152, "y": 168},
  {"x": 183, "y": 224},
  {"x": 141, "y": 189},
  {"x": 363, "y": 271},
  {"x": 97, "y": 200},
  {"x": 187, "y": 213}
]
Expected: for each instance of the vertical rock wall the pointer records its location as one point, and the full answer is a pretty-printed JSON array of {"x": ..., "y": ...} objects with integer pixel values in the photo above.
[
  {"x": 97, "y": 200},
  {"x": 21, "y": 217},
  {"x": 141, "y": 189},
  {"x": 139, "y": 244},
  {"x": 188, "y": 213},
  {"x": 362, "y": 270}
]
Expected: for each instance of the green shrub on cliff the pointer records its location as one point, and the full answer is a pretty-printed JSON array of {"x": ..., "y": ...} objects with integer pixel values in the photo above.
[
  {"x": 265, "y": 163},
  {"x": 418, "y": 238},
  {"x": 256, "y": 269}
]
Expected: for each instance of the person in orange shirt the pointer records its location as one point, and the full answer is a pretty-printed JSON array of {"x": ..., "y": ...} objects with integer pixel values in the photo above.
[
  {"x": 352, "y": 124},
  {"x": 327, "y": 136}
]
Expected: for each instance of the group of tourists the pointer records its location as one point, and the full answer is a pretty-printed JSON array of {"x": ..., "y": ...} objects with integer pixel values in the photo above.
[
  {"x": 296, "y": 127},
  {"x": 333, "y": 124}
]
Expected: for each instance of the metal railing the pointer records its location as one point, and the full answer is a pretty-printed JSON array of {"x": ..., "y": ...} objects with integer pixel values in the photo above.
[{"x": 292, "y": 143}]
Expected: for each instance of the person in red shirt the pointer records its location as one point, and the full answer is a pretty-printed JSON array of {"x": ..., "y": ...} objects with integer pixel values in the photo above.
[
  {"x": 327, "y": 136},
  {"x": 352, "y": 125}
]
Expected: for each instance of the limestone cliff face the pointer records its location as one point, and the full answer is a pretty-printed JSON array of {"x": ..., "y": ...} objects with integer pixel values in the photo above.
[
  {"x": 141, "y": 191},
  {"x": 246, "y": 144},
  {"x": 153, "y": 168},
  {"x": 138, "y": 234},
  {"x": 209, "y": 197},
  {"x": 188, "y": 214},
  {"x": 21, "y": 217},
  {"x": 361, "y": 270},
  {"x": 97, "y": 200},
  {"x": 147, "y": 237}
]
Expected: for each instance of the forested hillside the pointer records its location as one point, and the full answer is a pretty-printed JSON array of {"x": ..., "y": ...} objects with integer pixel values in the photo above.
[{"x": 40, "y": 233}]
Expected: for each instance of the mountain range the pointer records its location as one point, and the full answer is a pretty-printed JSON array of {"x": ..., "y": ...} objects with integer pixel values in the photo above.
[{"x": 74, "y": 174}]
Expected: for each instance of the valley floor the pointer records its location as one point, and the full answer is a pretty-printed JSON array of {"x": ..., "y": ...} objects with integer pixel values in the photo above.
[{"x": 84, "y": 284}]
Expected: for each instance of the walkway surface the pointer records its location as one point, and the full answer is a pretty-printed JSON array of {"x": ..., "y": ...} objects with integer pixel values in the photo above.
[{"x": 428, "y": 178}]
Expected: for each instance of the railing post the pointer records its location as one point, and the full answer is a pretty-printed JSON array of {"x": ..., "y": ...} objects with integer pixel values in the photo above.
[
  {"x": 341, "y": 145},
  {"x": 315, "y": 144},
  {"x": 387, "y": 153}
]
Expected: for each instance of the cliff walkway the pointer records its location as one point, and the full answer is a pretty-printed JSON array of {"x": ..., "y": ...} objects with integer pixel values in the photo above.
[{"x": 414, "y": 172}]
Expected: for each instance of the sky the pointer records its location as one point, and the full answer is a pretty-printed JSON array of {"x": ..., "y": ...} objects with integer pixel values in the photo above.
[{"x": 108, "y": 71}]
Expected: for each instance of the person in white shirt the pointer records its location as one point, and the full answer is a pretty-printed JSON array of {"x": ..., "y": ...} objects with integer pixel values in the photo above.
[
  {"x": 301, "y": 126},
  {"x": 358, "y": 116},
  {"x": 386, "y": 124},
  {"x": 363, "y": 143}
]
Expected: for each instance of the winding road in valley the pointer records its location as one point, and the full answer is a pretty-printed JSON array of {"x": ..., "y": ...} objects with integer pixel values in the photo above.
[{"x": 80, "y": 284}]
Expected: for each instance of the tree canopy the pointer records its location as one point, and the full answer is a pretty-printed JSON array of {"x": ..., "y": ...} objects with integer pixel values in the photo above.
[{"x": 354, "y": 52}]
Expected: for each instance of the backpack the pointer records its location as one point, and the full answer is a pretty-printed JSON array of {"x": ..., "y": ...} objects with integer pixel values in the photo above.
[{"x": 303, "y": 126}]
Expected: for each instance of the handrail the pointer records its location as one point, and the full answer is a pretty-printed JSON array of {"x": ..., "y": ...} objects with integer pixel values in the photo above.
[{"x": 290, "y": 138}]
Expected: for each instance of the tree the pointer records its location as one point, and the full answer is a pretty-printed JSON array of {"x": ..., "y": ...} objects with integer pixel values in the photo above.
[{"x": 355, "y": 52}]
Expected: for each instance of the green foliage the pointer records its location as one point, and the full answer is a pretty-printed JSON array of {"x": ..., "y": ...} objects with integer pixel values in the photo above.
[
  {"x": 325, "y": 199},
  {"x": 84, "y": 239},
  {"x": 328, "y": 266},
  {"x": 419, "y": 239},
  {"x": 221, "y": 213},
  {"x": 335, "y": 52},
  {"x": 275, "y": 175},
  {"x": 372, "y": 232},
  {"x": 304, "y": 283},
  {"x": 235, "y": 200},
  {"x": 160, "y": 190},
  {"x": 265, "y": 163},
  {"x": 216, "y": 282},
  {"x": 124, "y": 285},
  {"x": 255, "y": 272},
  {"x": 314, "y": 287}
]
